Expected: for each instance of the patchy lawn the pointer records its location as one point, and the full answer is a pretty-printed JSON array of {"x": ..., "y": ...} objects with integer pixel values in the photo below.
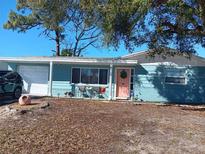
[{"x": 74, "y": 126}]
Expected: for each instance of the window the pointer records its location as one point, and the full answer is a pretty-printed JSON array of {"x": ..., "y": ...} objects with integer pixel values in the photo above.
[
  {"x": 175, "y": 75},
  {"x": 103, "y": 76},
  {"x": 132, "y": 80},
  {"x": 89, "y": 75},
  {"x": 76, "y": 75},
  {"x": 10, "y": 76},
  {"x": 175, "y": 80},
  {"x": 2, "y": 73}
]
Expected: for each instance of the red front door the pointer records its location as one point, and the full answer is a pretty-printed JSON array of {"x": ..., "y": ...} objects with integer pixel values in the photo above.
[{"x": 123, "y": 83}]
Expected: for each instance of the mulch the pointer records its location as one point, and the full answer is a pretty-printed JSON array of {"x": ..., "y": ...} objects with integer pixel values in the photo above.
[{"x": 79, "y": 126}]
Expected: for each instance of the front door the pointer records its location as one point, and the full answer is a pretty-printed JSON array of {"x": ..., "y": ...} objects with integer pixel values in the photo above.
[{"x": 123, "y": 83}]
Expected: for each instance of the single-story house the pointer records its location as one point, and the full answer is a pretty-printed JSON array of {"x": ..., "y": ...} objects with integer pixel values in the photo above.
[{"x": 135, "y": 76}]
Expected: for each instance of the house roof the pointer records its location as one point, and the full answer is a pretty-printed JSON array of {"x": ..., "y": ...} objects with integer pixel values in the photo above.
[
  {"x": 70, "y": 60},
  {"x": 130, "y": 59},
  {"x": 183, "y": 60}
]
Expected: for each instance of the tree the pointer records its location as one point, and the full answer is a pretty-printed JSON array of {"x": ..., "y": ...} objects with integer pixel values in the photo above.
[
  {"x": 67, "y": 53},
  {"x": 63, "y": 21},
  {"x": 50, "y": 15},
  {"x": 83, "y": 34},
  {"x": 178, "y": 24}
]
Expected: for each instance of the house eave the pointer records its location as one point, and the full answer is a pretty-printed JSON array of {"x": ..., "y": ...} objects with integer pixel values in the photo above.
[{"x": 90, "y": 61}]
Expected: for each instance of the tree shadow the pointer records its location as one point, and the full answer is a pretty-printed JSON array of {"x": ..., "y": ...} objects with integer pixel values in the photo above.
[
  {"x": 7, "y": 100},
  {"x": 191, "y": 93}
]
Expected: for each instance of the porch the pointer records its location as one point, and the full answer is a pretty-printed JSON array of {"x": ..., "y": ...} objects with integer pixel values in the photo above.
[
  {"x": 91, "y": 78},
  {"x": 101, "y": 82}
]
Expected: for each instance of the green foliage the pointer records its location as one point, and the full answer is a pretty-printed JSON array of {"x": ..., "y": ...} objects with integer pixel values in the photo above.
[
  {"x": 118, "y": 18},
  {"x": 67, "y": 53},
  {"x": 178, "y": 24},
  {"x": 50, "y": 15},
  {"x": 56, "y": 18}
]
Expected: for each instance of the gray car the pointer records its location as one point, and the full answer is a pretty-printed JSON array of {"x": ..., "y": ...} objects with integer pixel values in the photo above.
[{"x": 11, "y": 83}]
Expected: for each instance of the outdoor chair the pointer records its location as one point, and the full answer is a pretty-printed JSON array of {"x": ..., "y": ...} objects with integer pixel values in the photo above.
[
  {"x": 82, "y": 90},
  {"x": 96, "y": 91},
  {"x": 102, "y": 91},
  {"x": 91, "y": 92}
]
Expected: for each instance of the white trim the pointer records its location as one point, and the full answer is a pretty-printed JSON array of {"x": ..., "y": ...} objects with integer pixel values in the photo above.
[
  {"x": 110, "y": 82},
  {"x": 183, "y": 84},
  {"x": 69, "y": 60},
  {"x": 160, "y": 63},
  {"x": 175, "y": 75},
  {"x": 50, "y": 85},
  {"x": 115, "y": 97},
  {"x": 135, "y": 53},
  {"x": 91, "y": 85}
]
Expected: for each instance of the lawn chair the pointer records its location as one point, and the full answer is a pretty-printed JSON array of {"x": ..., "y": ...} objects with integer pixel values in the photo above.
[
  {"x": 102, "y": 91},
  {"x": 82, "y": 90},
  {"x": 96, "y": 91},
  {"x": 91, "y": 92}
]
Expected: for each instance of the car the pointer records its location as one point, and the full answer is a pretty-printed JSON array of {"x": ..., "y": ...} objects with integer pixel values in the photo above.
[{"x": 11, "y": 83}]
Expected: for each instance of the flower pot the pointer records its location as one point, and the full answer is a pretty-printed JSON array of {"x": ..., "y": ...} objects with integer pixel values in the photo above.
[{"x": 25, "y": 100}]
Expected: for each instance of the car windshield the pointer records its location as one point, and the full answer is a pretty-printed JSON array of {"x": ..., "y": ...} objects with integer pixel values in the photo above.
[
  {"x": 10, "y": 75},
  {"x": 3, "y": 73}
]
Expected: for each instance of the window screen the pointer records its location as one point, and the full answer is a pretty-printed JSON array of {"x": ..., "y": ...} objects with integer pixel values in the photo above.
[
  {"x": 103, "y": 76},
  {"x": 175, "y": 75},
  {"x": 175, "y": 80},
  {"x": 89, "y": 76},
  {"x": 10, "y": 76},
  {"x": 76, "y": 75}
]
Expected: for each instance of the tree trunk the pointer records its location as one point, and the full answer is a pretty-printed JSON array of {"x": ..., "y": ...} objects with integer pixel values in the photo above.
[{"x": 57, "y": 43}]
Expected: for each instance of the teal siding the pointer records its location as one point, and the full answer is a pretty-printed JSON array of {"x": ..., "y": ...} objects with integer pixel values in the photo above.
[
  {"x": 62, "y": 81},
  {"x": 61, "y": 87},
  {"x": 150, "y": 85}
]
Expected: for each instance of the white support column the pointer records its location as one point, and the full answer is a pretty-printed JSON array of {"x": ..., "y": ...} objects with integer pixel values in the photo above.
[
  {"x": 110, "y": 81},
  {"x": 50, "y": 79}
]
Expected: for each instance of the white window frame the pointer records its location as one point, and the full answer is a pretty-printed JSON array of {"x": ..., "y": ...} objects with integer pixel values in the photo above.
[
  {"x": 90, "y": 68},
  {"x": 172, "y": 83},
  {"x": 176, "y": 76}
]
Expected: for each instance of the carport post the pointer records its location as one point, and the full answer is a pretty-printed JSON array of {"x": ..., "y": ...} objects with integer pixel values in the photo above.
[
  {"x": 50, "y": 79},
  {"x": 110, "y": 81}
]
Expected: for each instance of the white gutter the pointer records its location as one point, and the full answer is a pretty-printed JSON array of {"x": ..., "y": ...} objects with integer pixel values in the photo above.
[{"x": 70, "y": 61}]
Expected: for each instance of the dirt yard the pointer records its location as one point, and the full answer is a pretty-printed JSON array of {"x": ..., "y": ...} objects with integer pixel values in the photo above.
[{"x": 74, "y": 126}]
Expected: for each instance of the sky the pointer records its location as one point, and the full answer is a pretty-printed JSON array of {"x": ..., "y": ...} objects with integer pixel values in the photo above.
[{"x": 13, "y": 44}]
